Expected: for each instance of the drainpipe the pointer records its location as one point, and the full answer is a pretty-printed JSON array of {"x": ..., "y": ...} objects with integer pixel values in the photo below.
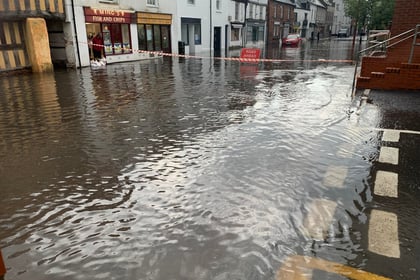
[
  {"x": 75, "y": 33},
  {"x": 211, "y": 23},
  {"x": 244, "y": 25}
]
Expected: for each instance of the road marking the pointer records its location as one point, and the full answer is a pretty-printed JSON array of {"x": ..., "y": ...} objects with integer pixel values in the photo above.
[
  {"x": 319, "y": 218},
  {"x": 389, "y": 155},
  {"x": 396, "y": 130},
  {"x": 391, "y": 136},
  {"x": 295, "y": 268},
  {"x": 335, "y": 176},
  {"x": 386, "y": 184},
  {"x": 383, "y": 234}
]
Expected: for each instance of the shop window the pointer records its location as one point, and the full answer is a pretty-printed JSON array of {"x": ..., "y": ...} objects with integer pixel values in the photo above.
[
  {"x": 142, "y": 37},
  {"x": 197, "y": 34},
  {"x": 116, "y": 37},
  {"x": 234, "y": 34},
  {"x": 153, "y": 37},
  {"x": 156, "y": 36},
  {"x": 149, "y": 37}
]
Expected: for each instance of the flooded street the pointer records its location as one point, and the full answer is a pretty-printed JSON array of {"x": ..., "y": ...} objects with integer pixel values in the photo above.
[{"x": 189, "y": 169}]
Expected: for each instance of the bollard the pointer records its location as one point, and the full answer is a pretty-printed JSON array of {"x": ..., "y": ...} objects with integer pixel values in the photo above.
[{"x": 2, "y": 267}]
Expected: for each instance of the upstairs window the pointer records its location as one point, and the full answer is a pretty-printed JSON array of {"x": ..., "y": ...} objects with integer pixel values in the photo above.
[
  {"x": 191, "y": 2},
  {"x": 152, "y": 2}
]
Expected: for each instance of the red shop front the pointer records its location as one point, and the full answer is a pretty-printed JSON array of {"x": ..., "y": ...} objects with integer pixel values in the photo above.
[{"x": 113, "y": 25}]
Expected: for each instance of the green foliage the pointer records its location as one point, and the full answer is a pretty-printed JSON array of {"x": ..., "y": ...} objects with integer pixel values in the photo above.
[
  {"x": 375, "y": 13},
  {"x": 381, "y": 14}
]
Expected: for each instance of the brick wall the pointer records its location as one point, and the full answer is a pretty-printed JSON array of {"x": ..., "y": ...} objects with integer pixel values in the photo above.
[
  {"x": 404, "y": 76},
  {"x": 406, "y": 16},
  {"x": 278, "y": 12}
]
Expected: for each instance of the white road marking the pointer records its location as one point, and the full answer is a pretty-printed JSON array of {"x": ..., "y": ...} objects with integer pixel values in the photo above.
[
  {"x": 383, "y": 234},
  {"x": 386, "y": 184},
  {"x": 389, "y": 155},
  {"x": 335, "y": 176},
  {"x": 391, "y": 136},
  {"x": 319, "y": 218}
]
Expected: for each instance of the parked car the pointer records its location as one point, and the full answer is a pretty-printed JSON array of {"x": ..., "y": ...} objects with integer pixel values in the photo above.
[
  {"x": 342, "y": 33},
  {"x": 292, "y": 40}
]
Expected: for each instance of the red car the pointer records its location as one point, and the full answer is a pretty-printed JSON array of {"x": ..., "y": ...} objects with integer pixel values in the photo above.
[{"x": 292, "y": 40}]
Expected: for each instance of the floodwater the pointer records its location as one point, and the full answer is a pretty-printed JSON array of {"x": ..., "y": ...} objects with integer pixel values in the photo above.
[{"x": 181, "y": 169}]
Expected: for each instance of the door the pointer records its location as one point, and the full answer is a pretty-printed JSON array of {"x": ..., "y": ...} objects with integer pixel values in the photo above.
[
  {"x": 217, "y": 40},
  {"x": 166, "y": 38}
]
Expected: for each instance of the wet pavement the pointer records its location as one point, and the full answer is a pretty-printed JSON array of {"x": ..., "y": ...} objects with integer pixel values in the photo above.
[{"x": 202, "y": 169}]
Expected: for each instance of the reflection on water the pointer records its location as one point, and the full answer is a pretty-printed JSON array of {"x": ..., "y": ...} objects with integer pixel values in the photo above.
[{"x": 174, "y": 169}]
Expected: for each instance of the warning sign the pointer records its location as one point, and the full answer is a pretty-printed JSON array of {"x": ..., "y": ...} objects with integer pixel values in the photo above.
[{"x": 250, "y": 55}]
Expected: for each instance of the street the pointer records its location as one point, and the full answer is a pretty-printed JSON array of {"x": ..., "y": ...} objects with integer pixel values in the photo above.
[{"x": 180, "y": 168}]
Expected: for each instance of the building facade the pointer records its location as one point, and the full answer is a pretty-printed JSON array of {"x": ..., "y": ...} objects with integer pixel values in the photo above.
[
  {"x": 280, "y": 20},
  {"x": 30, "y": 33}
]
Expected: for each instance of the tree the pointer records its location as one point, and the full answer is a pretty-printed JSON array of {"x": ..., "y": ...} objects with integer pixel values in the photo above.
[
  {"x": 381, "y": 14},
  {"x": 358, "y": 10},
  {"x": 375, "y": 14}
]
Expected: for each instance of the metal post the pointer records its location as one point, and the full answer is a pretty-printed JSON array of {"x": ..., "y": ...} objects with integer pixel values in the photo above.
[{"x": 416, "y": 31}]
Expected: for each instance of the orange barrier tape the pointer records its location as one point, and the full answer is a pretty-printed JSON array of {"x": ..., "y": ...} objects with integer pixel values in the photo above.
[
  {"x": 232, "y": 58},
  {"x": 2, "y": 266}
]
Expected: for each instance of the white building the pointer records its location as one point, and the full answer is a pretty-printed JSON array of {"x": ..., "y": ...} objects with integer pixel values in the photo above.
[
  {"x": 236, "y": 18},
  {"x": 340, "y": 19},
  {"x": 202, "y": 25},
  {"x": 256, "y": 23}
]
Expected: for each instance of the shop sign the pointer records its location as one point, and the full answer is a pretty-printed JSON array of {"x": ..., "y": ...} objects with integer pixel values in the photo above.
[{"x": 107, "y": 16}]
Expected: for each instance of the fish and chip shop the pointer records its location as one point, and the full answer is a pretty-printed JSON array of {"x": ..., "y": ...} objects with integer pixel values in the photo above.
[{"x": 118, "y": 29}]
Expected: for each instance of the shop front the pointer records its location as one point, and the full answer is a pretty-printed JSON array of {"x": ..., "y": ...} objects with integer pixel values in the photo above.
[
  {"x": 154, "y": 31},
  {"x": 110, "y": 35}
]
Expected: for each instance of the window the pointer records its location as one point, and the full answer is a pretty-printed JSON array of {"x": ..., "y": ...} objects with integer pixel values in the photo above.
[
  {"x": 116, "y": 38},
  {"x": 237, "y": 11},
  {"x": 191, "y": 2},
  {"x": 197, "y": 34},
  {"x": 153, "y": 37},
  {"x": 217, "y": 4},
  {"x": 152, "y": 2},
  {"x": 250, "y": 10},
  {"x": 261, "y": 12},
  {"x": 281, "y": 11},
  {"x": 234, "y": 34},
  {"x": 275, "y": 12}
]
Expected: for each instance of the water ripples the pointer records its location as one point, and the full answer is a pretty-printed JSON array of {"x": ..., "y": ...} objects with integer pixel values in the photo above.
[{"x": 142, "y": 171}]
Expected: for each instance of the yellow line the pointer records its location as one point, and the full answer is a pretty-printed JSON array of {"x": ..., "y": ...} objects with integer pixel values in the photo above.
[{"x": 294, "y": 266}]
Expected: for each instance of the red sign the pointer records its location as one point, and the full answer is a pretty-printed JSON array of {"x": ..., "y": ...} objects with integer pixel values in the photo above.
[
  {"x": 108, "y": 16},
  {"x": 250, "y": 55}
]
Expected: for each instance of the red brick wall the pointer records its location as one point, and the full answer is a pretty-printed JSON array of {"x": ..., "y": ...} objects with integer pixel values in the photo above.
[
  {"x": 406, "y": 16},
  {"x": 278, "y": 17}
]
